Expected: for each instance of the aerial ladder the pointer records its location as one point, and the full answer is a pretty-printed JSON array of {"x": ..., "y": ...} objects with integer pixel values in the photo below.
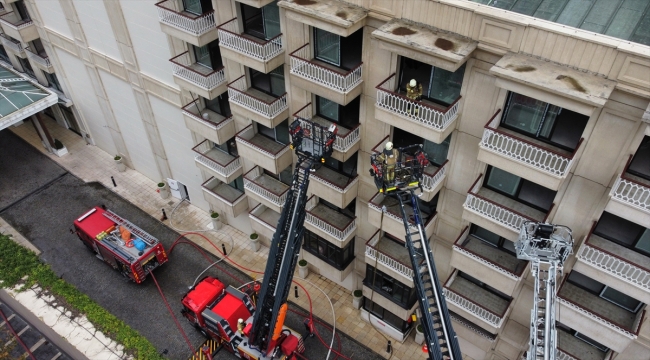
[
  {"x": 398, "y": 173},
  {"x": 546, "y": 246}
]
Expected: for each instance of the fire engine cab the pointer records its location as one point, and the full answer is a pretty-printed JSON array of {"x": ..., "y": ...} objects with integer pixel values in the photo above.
[{"x": 121, "y": 244}]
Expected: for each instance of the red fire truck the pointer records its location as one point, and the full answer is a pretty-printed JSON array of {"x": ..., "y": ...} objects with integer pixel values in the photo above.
[{"x": 116, "y": 241}]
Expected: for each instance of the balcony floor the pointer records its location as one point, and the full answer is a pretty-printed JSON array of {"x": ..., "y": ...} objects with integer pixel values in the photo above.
[
  {"x": 227, "y": 192},
  {"x": 213, "y": 116},
  {"x": 275, "y": 186},
  {"x": 219, "y": 156},
  {"x": 495, "y": 255},
  {"x": 332, "y": 176},
  {"x": 392, "y": 205},
  {"x": 201, "y": 69},
  {"x": 324, "y": 122},
  {"x": 431, "y": 169},
  {"x": 511, "y": 204},
  {"x": 598, "y": 305},
  {"x": 260, "y": 95},
  {"x": 331, "y": 216},
  {"x": 577, "y": 347},
  {"x": 270, "y": 217},
  {"x": 267, "y": 144},
  {"x": 625, "y": 253},
  {"x": 479, "y": 295}
]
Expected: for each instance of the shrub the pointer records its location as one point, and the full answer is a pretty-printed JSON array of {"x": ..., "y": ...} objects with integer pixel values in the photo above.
[
  {"x": 214, "y": 215},
  {"x": 302, "y": 262},
  {"x": 161, "y": 184},
  {"x": 254, "y": 236},
  {"x": 117, "y": 158},
  {"x": 58, "y": 144},
  {"x": 358, "y": 293},
  {"x": 419, "y": 328}
]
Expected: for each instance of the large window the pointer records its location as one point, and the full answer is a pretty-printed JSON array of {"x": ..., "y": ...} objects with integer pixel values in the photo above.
[
  {"x": 436, "y": 153},
  {"x": 522, "y": 190},
  {"x": 238, "y": 183},
  {"x": 271, "y": 83},
  {"x": 492, "y": 239},
  {"x": 263, "y": 23},
  {"x": 624, "y": 232},
  {"x": 27, "y": 67},
  {"x": 219, "y": 104},
  {"x": 640, "y": 165},
  {"x": 3, "y": 55},
  {"x": 197, "y": 7},
  {"x": 347, "y": 168},
  {"x": 347, "y": 116},
  {"x": 543, "y": 121},
  {"x": 387, "y": 316},
  {"x": 399, "y": 293},
  {"x": 229, "y": 147},
  {"x": 280, "y": 133},
  {"x": 209, "y": 55},
  {"x": 21, "y": 9},
  {"x": 483, "y": 285},
  {"x": 610, "y": 294},
  {"x": 285, "y": 176},
  {"x": 344, "y": 52},
  {"x": 588, "y": 340},
  {"x": 338, "y": 257},
  {"x": 438, "y": 85}
]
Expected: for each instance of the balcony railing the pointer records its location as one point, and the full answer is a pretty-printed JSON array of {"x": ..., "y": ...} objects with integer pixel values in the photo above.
[
  {"x": 230, "y": 37},
  {"x": 343, "y": 142},
  {"x": 17, "y": 47},
  {"x": 12, "y": 20},
  {"x": 338, "y": 187},
  {"x": 342, "y": 81},
  {"x": 237, "y": 94},
  {"x": 41, "y": 60},
  {"x": 524, "y": 151},
  {"x": 472, "y": 306},
  {"x": 251, "y": 183},
  {"x": 631, "y": 192},
  {"x": 192, "y": 110},
  {"x": 458, "y": 246},
  {"x": 373, "y": 253},
  {"x": 494, "y": 211},
  {"x": 613, "y": 264},
  {"x": 193, "y": 24},
  {"x": 431, "y": 180},
  {"x": 248, "y": 133},
  {"x": 224, "y": 168},
  {"x": 256, "y": 213},
  {"x": 181, "y": 66},
  {"x": 418, "y": 111},
  {"x": 223, "y": 192},
  {"x": 340, "y": 231}
]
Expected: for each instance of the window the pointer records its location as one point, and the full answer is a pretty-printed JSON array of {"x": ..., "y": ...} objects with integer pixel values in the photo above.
[
  {"x": 624, "y": 233},
  {"x": 338, "y": 257},
  {"x": 197, "y": 7},
  {"x": 614, "y": 296},
  {"x": 438, "y": 85},
  {"x": 209, "y": 55},
  {"x": 52, "y": 80},
  {"x": 522, "y": 190},
  {"x": 280, "y": 133},
  {"x": 220, "y": 104},
  {"x": 238, "y": 183},
  {"x": 348, "y": 211},
  {"x": 21, "y": 9},
  {"x": 263, "y": 23},
  {"x": 37, "y": 47},
  {"x": 328, "y": 46},
  {"x": 562, "y": 327},
  {"x": 492, "y": 239},
  {"x": 229, "y": 147},
  {"x": 386, "y": 316},
  {"x": 436, "y": 153},
  {"x": 483, "y": 285},
  {"x": 640, "y": 165},
  {"x": 542, "y": 121},
  {"x": 3, "y": 55},
  {"x": 271, "y": 83},
  {"x": 397, "y": 292},
  {"x": 347, "y": 116},
  {"x": 27, "y": 68},
  {"x": 347, "y": 168},
  {"x": 285, "y": 176}
]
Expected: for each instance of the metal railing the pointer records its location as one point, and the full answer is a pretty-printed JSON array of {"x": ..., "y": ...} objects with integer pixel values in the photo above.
[
  {"x": 192, "y": 110},
  {"x": 436, "y": 118},
  {"x": 41, "y": 60},
  {"x": 458, "y": 246},
  {"x": 225, "y": 170},
  {"x": 212, "y": 183},
  {"x": 342, "y": 143},
  {"x": 181, "y": 68},
  {"x": 272, "y": 196},
  {"x": 630, "y": 191},
  {"x": 342, "y": 80},
  {"x": 193, "y": 24},
  {"x": 375, "y": 254},
  {"x": 16, "y": 47},
  {"x": 473, "y": 307},
  {"x": 12, "y": 20},
  {"x": 248, "y": 133},
  {"x": 263, "y": 50},
  {"x": 430, "y": 181},
  {"x": 524, "y": 151},
  {"x": 237, "y": 94},
  {"x": 340, "y": 233},
  {"x": 563, "y": 355}
]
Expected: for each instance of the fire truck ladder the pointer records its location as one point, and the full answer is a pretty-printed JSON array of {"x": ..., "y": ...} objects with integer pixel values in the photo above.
[
  {"x": 546, "y": 246},
  {"x": 150, "y": 240},
  {"x": 442, "y": 342}
]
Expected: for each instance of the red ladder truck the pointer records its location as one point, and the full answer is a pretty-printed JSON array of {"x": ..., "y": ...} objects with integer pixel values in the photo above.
[{"x": 119, "y": 243}]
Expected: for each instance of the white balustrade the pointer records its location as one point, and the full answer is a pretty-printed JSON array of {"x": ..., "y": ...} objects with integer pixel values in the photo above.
[
  {"x": 487, "y": 263},
  {"x": 597, "y": 318},
  {"x": 474, "y": 309},
  {"x": 374, "y": 254},
  {"x": 17, "y": 47},
  {"x": 416, "y": 111},
  {"x": 631, "y": 193},
  {"x": 43, "y": 61},
  {"x": 250, "y": 184},
  {"x": 329, "y": 228},
  {"x": 13, "y": 21},
  {"x": 495, "y": 212},
  {"x": 316, "y": 177},
  {"x": 237, "y": 94},
  {"x": 561, "y": 355},
  {"x": 194, "y": 115},
  {"x": 223, "y": 169},
  {"x": 342, "y": 143},
  {"x": 339, "y": 81},
  {"x": 429, "y": 182},
  {"x": 248, "y": 133},
  {"x": 181, "y": 68},
  {"x": 615, "y": 266},
  {"x": 230, "y": 38},
  {"x": 195, "y": 25},
  {"x": 482, "y": 333}
]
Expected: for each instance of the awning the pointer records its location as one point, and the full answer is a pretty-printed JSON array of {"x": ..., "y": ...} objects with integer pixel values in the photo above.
[
  {"x": 334, "y": 16},
  {"x": 556, "y": 84},
  {"x": 418, "y": 42},
  {"x": 21, "y": 98}
]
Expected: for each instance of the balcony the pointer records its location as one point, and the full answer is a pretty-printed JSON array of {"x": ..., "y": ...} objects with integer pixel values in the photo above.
[
  {"x": 216, "y": 162},
  {"x": 614, "y": 265},
  {"x": 42, "y": 61},
  {"x": 325, "y": 80},
  {"x": 261, "y": 55},
  {"x": 225, "y": 198},
  {"x": 569, "y": 347},
  {"x": 498, "y": 213},
  {"x": 208, "y": 124},
  {"x": 528, "y": 158},
  {"x": 425, "y": 118},
  {"x": 337, "y": 188},
  {"x": 598, "y": 318},
  {"x": 390, "y": 257},
  {"x": 21, "y": 30},
  {"x": 475, "y": 303},
  {"x": 264, "y": 221},
  {"x": 329, "y": 224},
  {"x": 197, "y": 30},
  {"x": 392, "y": 222},
  {"x": 198, "y": 78},
  {"x": 256, "y": 105},
  {"x": 264, "y": 152},
  {"x": 487, "y": 263},
  {"x": 265, "y": 189},
  {"x": 347, "y": 140},
  {"x": 13, "y": 46},
  {"x": 630, "y": 197}
]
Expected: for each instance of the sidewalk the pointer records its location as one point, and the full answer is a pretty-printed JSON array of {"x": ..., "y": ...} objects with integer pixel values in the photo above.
[{"x": 93, "y": 164}]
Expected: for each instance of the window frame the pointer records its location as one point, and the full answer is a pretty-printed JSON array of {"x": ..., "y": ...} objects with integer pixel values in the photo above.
[
  {"x": 601, "y": 291},
  {"x": 406, "y": 324},
  {"x": 484, "y": 286},
  {"x": 422, "y": 141},
  {"x": 500, "y": 242},
  {"x": 339, "y": 254},
  {"x": 266, "y": 77},
  {"x": 406, "y": 298},
  {"x": 625, "y": 223},
  {"x": 430, "y": 76},
  {"x": 275, "y": 131},
  {"x": 522, "y": 180},
  {"x": 644, "y": 142}
]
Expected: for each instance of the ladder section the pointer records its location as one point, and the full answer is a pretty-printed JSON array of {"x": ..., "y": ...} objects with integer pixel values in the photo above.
[
  {"x": 150, "y": 240},
  {"x": 442, "y": 342},
  {"x": 543, "y": 336}
]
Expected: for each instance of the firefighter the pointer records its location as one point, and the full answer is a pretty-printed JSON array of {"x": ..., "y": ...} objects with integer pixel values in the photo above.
[
  {"x": 413, "y": 92},
  {"x": 389, "y": 158}
]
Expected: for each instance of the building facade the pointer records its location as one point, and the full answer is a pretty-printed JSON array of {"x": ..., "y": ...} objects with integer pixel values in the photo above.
[{"x": 527, "y": 113}]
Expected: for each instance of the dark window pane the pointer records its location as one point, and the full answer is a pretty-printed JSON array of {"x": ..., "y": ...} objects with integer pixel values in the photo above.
[
  {"x": 351, "y": 50},
  {"x": 271, "y": 14},
  {"x": 282, "y": 133},
  {"x": 327, "y": 47},
  {"x": 569, "y": 128},
  {"x": 445, "y": 87},
  {"x": 617, "y": 229},
  {"x": 503, "y": 181},
  {"x": 253, "y": 21},
  {"x": 585, "y": 282},
  {"x": 327, "y": 109},
  {"x": 640, "y": 164},
  {"x": 524, "y": 113},
  {"x": 413, "y": 69},
  {"x": 238, "y": 183},
  {"x": 644, "y": 242},
  {"x": 620, "y": 299},
  {"x": 485, "y": 235},
  {"x": 437, "y": 153},
  {"x": 536, "y": 195}
]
